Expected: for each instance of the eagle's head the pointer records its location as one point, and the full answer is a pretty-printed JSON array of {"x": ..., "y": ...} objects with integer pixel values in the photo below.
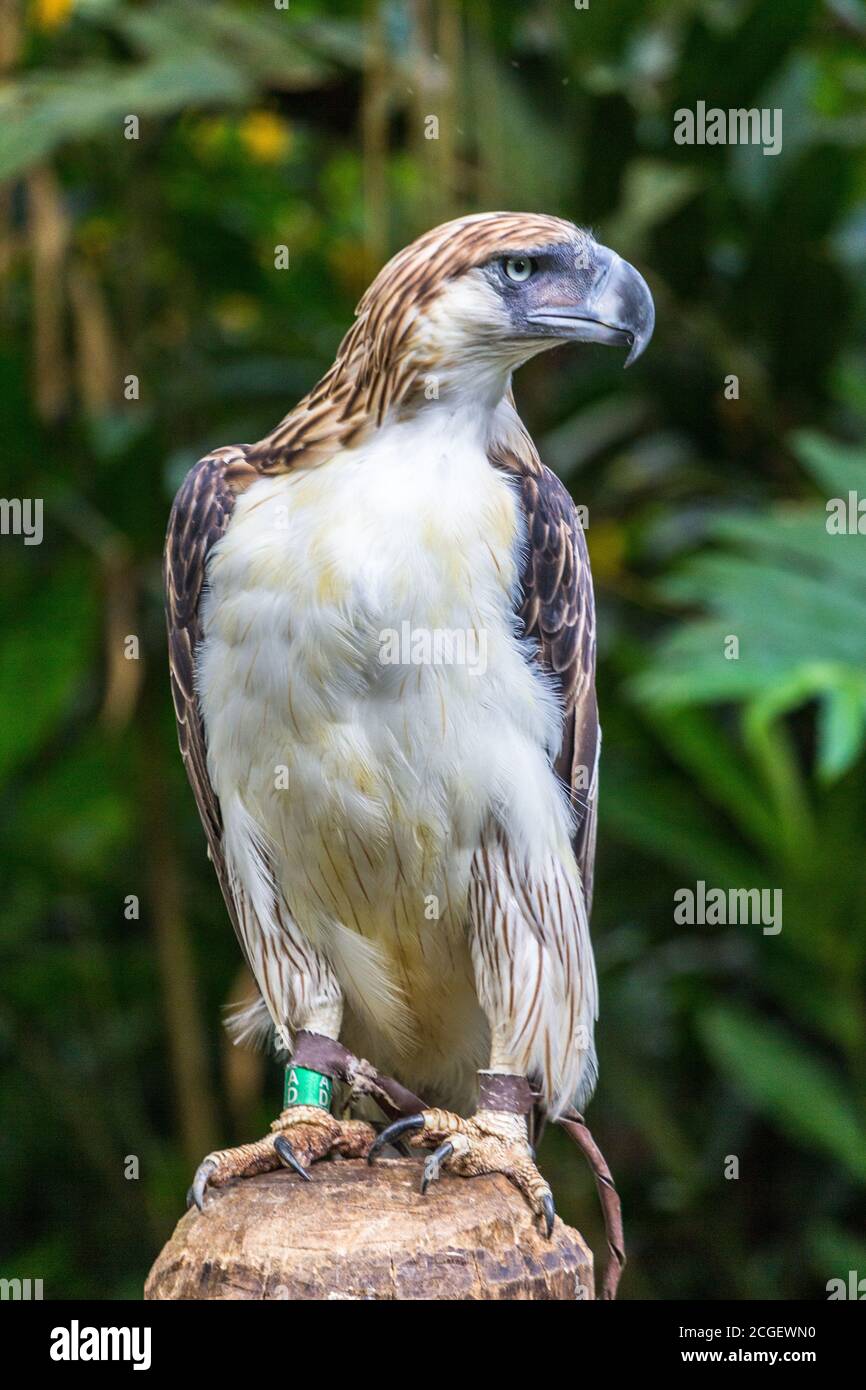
[
  {"x": 472, "y": 299},
  {"x": 452, "y": 315}
]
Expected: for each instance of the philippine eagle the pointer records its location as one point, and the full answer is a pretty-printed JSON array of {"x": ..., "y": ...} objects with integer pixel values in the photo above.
[{"x": 382, "y": 647}]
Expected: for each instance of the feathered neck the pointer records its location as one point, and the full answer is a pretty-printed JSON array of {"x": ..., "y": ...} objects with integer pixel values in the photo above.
[{"x": 383, "y": 364}]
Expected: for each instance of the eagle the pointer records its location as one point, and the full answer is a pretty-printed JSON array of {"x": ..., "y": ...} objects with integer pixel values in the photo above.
[{"x": 382, "y": 647}]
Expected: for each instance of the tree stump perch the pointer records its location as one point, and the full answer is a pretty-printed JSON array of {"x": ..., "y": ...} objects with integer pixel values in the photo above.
[{"x": 358, "y": 1232}]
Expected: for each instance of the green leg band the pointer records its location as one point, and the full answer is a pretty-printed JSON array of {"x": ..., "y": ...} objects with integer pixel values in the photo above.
[{"x": 305, "y": 1087}]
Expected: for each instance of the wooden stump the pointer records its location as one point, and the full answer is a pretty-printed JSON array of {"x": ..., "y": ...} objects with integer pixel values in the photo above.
[{"x": 357, "y": 1232}]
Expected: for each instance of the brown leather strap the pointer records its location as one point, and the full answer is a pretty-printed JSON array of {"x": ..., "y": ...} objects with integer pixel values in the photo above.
[
  {"x": 576, "y": 1128},
  {"x": 394, "y": 1099},
  {"x": 499, "y": 1090},
  {"x": 400, "y": 1100},
  {"x": 322, "y": 1054},
  {"x": 331, "y": 1058}
]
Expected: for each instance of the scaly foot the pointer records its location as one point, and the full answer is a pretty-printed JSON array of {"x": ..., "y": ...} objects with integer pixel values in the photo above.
[
  {"x": 301, "y": 1135},
  {"x": 493, "y": 1141}
]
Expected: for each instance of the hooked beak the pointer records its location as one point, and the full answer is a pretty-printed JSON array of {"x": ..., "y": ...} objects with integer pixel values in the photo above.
[{"x": 618, "y": 310}]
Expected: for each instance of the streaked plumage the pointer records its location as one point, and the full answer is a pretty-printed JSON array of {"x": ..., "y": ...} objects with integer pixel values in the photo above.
[{"x": 339, "y": 795}]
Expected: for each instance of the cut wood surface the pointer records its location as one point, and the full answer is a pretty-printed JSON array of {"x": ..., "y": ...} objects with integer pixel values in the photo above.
[{"x": 356, "y": 1232}]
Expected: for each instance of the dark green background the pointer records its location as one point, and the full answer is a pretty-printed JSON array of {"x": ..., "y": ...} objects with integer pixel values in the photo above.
[{"x": 155, "y": 257}]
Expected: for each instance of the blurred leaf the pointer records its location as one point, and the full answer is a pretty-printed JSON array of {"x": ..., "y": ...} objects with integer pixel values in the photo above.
[
  {"x": 220, "y": 58},
  {"x": 698, "y": 743},
  {"x": 592, "y": 430},
  {"x": 80, "y": 813},
  {"x": 47, "y": 648},
  {"x": 792, "y": 595},
  {"x": 38, "y": 113},
  {"x": 788, "y": 1084},
  {"x": 841, "y": 468},
  {"x": 667, "y": 818},
  {"x": 841, "y": 727},
  {"x": 653, "y": 191},
  {"x": 835, "y": 1251},
  {"x": 505, "y": 116},
  {"x": 267, "y": 45}
]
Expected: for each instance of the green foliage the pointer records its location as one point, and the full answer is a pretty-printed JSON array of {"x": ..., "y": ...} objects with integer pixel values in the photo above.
[
  {"x": 218, "y": 57},
  {"x": 787, "y": 1083},
  {"x": 708, "y": 519}
]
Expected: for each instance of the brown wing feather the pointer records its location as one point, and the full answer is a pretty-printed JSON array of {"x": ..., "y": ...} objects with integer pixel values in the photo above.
[
  {"x": 201, "y": 512},
  {"x": 557, "y": 607}
]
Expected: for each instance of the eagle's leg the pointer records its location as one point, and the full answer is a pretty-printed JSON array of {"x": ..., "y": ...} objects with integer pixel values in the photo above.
[
  {"x": 305, "y": 1130},
  {"x": 494, "y": 1140},
  {"x": 535, "y": 982}
]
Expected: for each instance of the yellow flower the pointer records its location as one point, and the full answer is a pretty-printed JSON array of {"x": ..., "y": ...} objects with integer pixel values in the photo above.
[
  {"x": 50, "y": 14},
  {"x": 266, "y": 137}
]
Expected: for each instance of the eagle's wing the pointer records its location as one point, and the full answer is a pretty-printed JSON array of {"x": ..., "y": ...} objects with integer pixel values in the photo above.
[
  {"x": 201, "y": 512},
  {"x": 548, "y": 997},
  {"x": 557, "y": 608}
]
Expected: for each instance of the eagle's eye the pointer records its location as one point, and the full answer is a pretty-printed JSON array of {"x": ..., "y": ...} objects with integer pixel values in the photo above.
[{"x": 518, "y": 268}]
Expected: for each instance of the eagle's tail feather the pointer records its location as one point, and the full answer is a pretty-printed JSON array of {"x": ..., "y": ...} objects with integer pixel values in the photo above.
[{"x": 249, "y": 1024}]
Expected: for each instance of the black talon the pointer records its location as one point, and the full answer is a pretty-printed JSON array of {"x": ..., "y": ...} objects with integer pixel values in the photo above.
[
  {"x": 433, "y": 1166},
  {"x": 549, "y": 1211},
  {"x": 199, "y": 1183},
  {"x": 288, "y": 1157},
  {"x": 410, "y": 1123}
]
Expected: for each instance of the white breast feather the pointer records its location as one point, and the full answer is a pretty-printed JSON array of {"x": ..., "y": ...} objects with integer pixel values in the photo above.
[{"x": 369, "y": 785}]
